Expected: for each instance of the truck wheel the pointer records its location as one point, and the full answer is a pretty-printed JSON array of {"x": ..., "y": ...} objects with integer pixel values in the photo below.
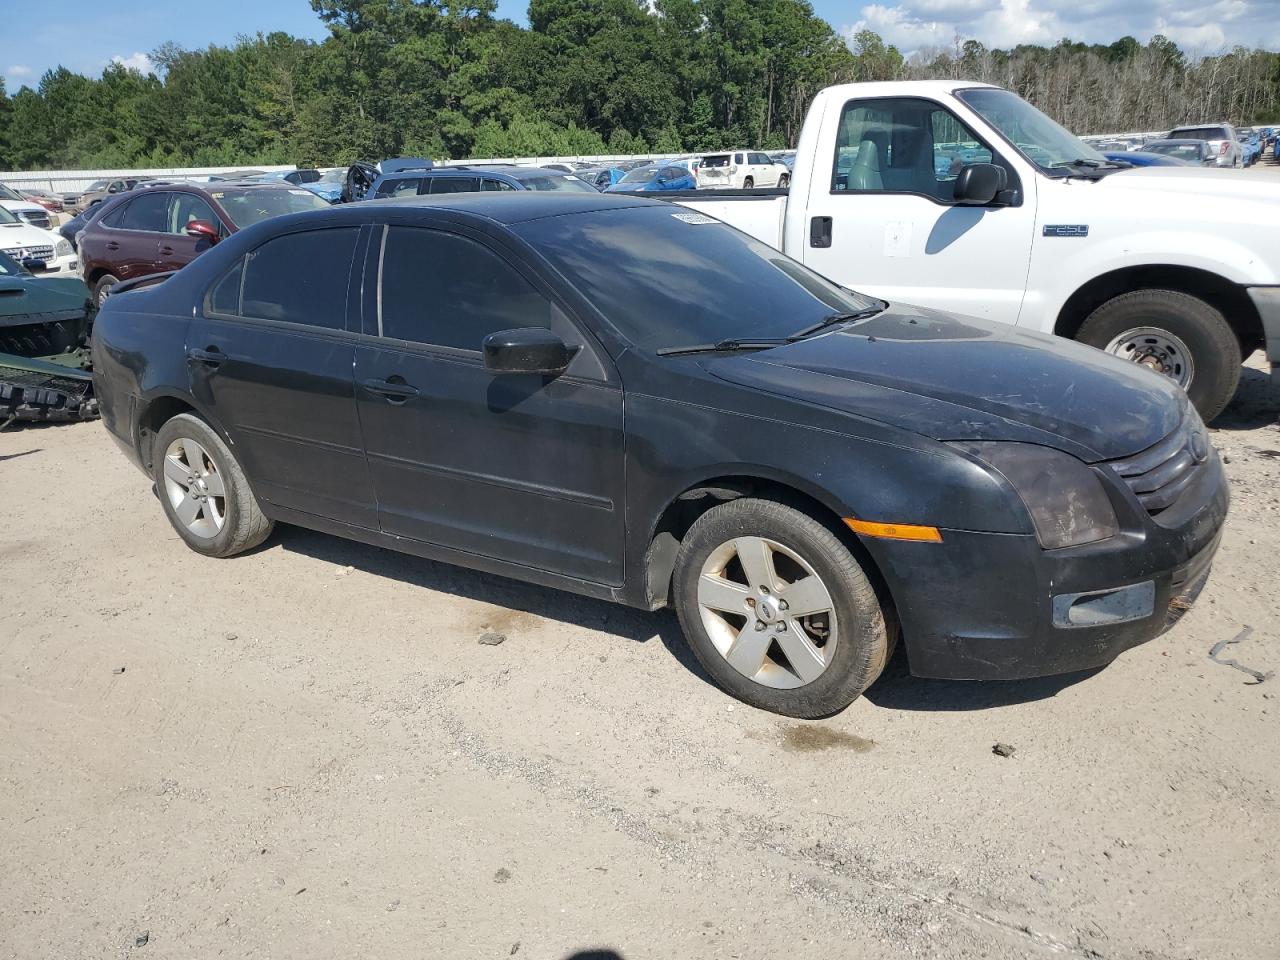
[
  {"x": 204, "y": 491},
  {"x": 777, "y": 610},
  {"x": 748, "y": 183},
  {"x": 783, "y": 181},
  {"x": 1174, "y": 334},
  {"x": 102, "y": 289}
]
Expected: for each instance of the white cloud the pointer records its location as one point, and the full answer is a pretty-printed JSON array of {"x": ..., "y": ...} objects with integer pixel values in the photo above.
[
  {"x": 137, "y": 61},
  {"x": 17, "y": 71},
  {"x": 1199, "y": 26}
]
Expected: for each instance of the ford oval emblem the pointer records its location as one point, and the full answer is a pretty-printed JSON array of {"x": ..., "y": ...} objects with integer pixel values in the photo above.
[{"x": 1199, "y": 447}]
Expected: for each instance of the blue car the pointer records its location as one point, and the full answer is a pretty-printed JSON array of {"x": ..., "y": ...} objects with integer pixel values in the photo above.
[
  {"x": 327, "y": 186},
  {"x": 1250, "y": 145},
  {"x": 654, "y": 178},
  {"x": 1140, "y": 158},
  {"x": 602, "y": 177}
]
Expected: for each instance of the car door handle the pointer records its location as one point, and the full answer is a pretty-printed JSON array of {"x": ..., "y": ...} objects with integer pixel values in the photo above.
[
  {"x": 213, "y": 356},
  {"x": 112, "y": 245},
  {"x": 166, "y": 251},
  {"x": 394, "y": 389}
]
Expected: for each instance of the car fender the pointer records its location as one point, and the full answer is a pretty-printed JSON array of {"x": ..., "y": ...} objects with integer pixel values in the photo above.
[{"x": 1056, "y": 274}]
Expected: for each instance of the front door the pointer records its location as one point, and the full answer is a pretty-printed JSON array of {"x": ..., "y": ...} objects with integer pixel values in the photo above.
[
  {"x": 176, "y": 248},
  {"x": 520, "y": 468},
  {"x": 886, "y": 223},
  {"x": 271, "y": 359}
]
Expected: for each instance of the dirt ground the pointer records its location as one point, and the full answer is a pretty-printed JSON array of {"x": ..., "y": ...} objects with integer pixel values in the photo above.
[{"x": 305, "y": 752}]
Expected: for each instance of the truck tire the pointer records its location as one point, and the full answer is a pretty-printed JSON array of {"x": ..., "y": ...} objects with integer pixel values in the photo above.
[
  {"x": 751, "y": 637},
  {"x": 1175, "y": 334},
  {"x": 748, "y": 183},
  {"x": 204, "y": 491}
]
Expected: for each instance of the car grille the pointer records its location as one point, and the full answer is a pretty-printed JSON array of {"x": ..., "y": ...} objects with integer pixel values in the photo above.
[
  {"x": 1159, "y": 475},
  {"x": 40, "y": 219},
  {"x": 30, "y": 253}
]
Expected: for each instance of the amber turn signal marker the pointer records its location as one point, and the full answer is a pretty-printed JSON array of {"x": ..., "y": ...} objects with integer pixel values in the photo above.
[{"x": 894, "y": 531}]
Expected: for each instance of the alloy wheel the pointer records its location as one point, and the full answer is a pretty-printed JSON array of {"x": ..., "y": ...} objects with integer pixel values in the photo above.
[
  {"x": 767, "y": 612},
  {"x": 194, "y": 488}
]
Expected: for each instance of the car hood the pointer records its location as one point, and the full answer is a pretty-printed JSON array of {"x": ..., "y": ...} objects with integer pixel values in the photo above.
[
  {"x": 23, "y": 234},
  {"x": 26, "y": 299},
  {"x": 957, "y": 378}
]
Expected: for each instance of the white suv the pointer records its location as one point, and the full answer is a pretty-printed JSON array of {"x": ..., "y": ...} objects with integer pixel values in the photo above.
[
  {"x": 23, "y": 208},
  {"x": 741, "y": 170},
  {"x": 43, "y": 252}
]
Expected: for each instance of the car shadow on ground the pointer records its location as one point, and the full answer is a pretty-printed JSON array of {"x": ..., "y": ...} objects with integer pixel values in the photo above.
[
  {"x": 1256, "y": 403},
  {"x": 625, "y": 622},
  {"x": 896, "y": 689}
]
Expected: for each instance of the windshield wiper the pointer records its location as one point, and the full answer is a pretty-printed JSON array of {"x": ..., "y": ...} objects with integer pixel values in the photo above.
[
  {"x": 725, "y": 346},
  {"x": 837, "y": 318}
]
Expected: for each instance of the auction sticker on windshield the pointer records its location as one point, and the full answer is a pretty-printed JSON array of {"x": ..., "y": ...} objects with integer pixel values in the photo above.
[{"x": 695, "y": 218}]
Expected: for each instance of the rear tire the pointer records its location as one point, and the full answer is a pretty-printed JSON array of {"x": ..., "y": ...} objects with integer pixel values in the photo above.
[
  {"x": 748, "y": 183},
  {"x": 222, "y": 525},
  {"x": 1210, "y": 342},
  {"x": 839, "y": 663},
  {"x": 102, "y": 288}
]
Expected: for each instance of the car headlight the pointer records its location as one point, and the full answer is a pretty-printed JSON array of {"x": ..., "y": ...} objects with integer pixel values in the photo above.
[
  {"x": 62, "y": 249},
  {"x": 1066, "y": 499}
]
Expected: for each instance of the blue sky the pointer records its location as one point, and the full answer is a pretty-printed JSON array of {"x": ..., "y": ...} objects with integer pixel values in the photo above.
[{"x": 87, "y": 34}]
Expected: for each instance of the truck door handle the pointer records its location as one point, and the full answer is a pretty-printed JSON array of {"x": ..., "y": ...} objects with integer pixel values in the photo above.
[
  {"x": 394, "y": 389},
  {"x": 213, "y": 356},
  {"x": 820, "y": 232}
]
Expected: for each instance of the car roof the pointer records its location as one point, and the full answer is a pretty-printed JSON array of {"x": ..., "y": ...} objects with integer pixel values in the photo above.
[
  {"x": 516, "y": 206},
  {"x": 491, "y": 169}
]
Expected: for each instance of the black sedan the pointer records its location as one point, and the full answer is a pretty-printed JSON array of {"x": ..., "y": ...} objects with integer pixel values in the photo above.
[{"x": 625, "y": 399}]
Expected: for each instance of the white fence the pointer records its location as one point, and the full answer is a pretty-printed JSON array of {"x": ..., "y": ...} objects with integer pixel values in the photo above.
[{"x": 67, "y": 181}]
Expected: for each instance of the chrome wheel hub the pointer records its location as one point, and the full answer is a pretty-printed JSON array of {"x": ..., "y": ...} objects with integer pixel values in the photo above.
[
  {"x": 767, "y": 612},
  {"x": 194, "y": 488},
  {"x": 1157, "y": 350}
]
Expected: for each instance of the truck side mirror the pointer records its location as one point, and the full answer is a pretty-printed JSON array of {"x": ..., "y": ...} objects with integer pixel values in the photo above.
[{"x": 979, "y": 183}]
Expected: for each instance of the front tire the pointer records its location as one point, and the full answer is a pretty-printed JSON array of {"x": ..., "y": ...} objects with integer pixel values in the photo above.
[
  {"x": 777, "y": 610},
  {"x": 1175, "y": 334},
  {"x": 204, "y": 491},
  {"x": 784, "y": 181},
  {"x": 102, "y": 288}
]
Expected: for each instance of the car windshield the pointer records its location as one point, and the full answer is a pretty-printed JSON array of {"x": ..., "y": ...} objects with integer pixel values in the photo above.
[
  {"x": 97, "y": 185},
  {"x": 569, "y": 182},
  {"x": 668, "y": 277},
  {"x": 247, "y": 207},
  {"x": 7, "y": 217},
  {"x": 1183, "y": 151},
  {"x": 8, "y": 194},
  {"x": 642, "y": 175},
  {"x": 1036, "y": 137}
]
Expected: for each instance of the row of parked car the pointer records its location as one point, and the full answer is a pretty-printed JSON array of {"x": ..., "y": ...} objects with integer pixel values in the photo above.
[{"x": 1204, "y": 145}]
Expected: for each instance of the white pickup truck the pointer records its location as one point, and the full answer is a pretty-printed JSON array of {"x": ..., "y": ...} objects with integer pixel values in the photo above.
[{"x": 963, "y": 196}]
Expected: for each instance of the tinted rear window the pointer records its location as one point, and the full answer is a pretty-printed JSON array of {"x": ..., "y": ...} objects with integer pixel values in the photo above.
[
  {"x": 253, "y": 205},
  {"x": 569, "y": 182},
  {"x": 665, "y": 276},
  {"x": 718, "y": 160},
  {"x": 1201, "y": 133},
  {"x": 301, "y": 278}
]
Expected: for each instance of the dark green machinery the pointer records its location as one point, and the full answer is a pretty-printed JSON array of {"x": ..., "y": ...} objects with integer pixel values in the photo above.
[{"x": 44, "y": 347}]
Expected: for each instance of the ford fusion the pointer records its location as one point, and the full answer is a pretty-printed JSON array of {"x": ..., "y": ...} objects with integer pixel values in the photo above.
[{"x": 632, "y": 401}]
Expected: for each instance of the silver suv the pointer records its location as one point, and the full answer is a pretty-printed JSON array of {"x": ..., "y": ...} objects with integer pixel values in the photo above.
[{"x": 1221, "y": 138}]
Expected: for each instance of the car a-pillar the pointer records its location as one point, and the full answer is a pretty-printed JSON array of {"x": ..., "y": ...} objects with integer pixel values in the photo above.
[{"x": 1192, "y": 326}]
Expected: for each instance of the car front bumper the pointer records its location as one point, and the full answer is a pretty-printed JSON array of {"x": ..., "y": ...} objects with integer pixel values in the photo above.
[{"x": 990, "y": 606}]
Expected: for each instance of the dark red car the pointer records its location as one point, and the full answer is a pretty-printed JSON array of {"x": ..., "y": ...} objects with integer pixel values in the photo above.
[{"x": 161, "y": 228}]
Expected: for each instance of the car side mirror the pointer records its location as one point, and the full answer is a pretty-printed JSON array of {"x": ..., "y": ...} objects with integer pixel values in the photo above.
[
  {"x": 113, "y": 189},
  {"x": 527, "y": 350},
  {"x": 202, "y": 230},
  {"x": 978, "y": 184}
]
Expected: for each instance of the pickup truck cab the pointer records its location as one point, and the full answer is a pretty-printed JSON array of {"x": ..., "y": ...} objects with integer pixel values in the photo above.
[{"x": 962, "y": 196}]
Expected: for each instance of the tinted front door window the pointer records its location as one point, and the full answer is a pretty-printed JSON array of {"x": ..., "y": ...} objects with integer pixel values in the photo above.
[{"x": 149, "y": 212}]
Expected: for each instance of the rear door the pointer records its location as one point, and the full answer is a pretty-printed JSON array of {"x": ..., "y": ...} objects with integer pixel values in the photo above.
[
  {"x": 436, "y": 185},
  {"x": 271, "y": 358},
  {"x": 524, "y": 469},
  {"x": 135, "y": 244},
  {"x": 886, "y": 222}
]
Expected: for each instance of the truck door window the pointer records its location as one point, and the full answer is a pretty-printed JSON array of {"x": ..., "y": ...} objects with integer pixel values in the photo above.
[{"x": 902, "y": 145}]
